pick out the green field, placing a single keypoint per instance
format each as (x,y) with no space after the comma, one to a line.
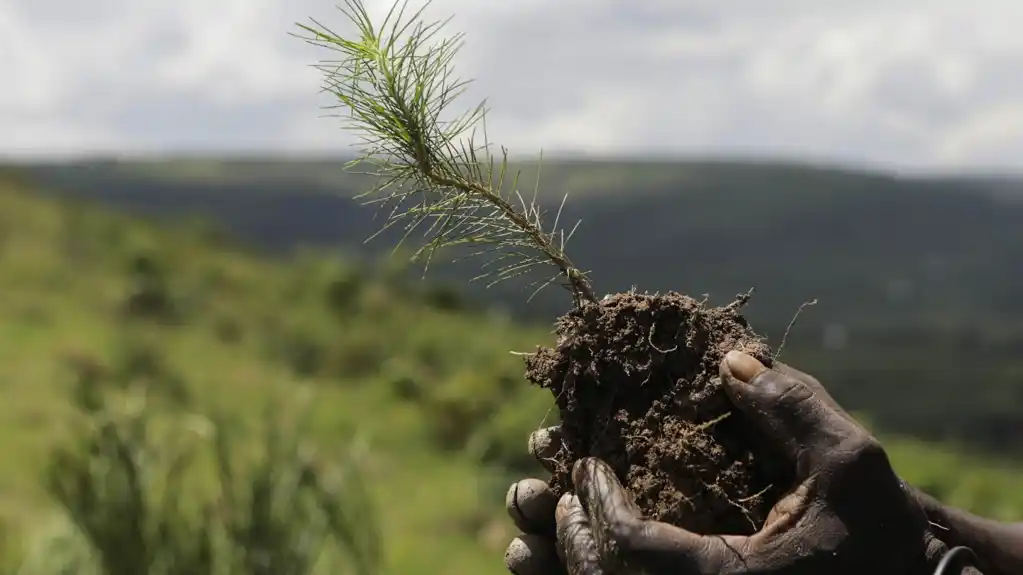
(428,384)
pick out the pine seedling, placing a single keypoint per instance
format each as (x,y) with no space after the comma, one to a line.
(634,376)
(396,86)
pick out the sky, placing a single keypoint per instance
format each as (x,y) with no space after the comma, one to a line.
(902,84)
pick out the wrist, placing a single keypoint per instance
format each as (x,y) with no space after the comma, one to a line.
(998,546)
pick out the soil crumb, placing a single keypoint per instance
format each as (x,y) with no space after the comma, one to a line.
(636,382)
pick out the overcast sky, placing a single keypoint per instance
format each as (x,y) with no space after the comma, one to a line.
(931,84)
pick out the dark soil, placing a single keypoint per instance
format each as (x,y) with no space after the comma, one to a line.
(636,382)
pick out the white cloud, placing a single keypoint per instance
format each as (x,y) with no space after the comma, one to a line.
(913,83)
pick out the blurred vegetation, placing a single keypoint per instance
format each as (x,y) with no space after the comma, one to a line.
(905,269)
(129,479)
(177,401)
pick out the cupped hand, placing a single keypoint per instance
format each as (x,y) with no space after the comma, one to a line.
(847,512)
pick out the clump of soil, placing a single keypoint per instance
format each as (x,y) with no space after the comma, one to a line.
(636,381)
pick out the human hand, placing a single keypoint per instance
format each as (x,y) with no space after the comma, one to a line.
(998,546)
(847,512)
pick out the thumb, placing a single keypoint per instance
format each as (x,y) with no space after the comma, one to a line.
(795,418)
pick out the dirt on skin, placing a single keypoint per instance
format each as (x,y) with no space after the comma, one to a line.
(636,380)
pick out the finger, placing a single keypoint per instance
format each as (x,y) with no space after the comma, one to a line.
(575,538)
(624,539)
(609,506)
(790,413)
(544,445)
(533,555)
(816,386)
(531,504)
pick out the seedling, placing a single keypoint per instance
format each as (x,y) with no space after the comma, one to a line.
(634,375)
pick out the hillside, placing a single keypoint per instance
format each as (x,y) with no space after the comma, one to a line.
(907,246)
(237,331)
(904,269)
(443,406)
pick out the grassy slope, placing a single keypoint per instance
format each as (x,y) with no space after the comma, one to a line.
(64,274)
(908,268)
(52,305)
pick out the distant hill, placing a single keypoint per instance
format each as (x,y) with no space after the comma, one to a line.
(907,271)
(900,246)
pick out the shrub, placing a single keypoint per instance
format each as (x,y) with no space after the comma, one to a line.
(148,489)
(149,293)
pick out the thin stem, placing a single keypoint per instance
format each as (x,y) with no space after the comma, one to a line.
(396,83)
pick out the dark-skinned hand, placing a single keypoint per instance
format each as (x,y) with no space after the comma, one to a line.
(847,513)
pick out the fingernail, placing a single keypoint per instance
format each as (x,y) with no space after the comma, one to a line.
(530,554)
(544,443)
(529,502)
(743,366)
(583,469)
(563,507)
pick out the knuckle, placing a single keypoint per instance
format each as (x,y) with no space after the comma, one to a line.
(793,392)
(864,452)
(627,535)
(869,450)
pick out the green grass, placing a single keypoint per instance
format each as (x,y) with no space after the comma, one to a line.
(63,286)
(430,386)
